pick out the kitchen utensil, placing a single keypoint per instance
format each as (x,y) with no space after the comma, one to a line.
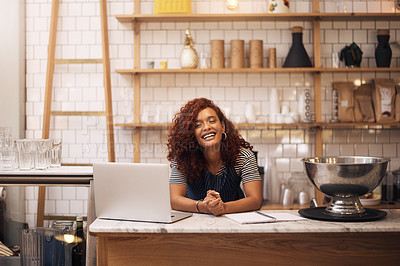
(344,179)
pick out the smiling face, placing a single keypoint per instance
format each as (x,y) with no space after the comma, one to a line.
(208,128)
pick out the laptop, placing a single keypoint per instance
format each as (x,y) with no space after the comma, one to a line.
(134,192)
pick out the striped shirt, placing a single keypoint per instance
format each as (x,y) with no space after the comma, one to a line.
(227,181)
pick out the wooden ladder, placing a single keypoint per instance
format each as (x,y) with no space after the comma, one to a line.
(51,61)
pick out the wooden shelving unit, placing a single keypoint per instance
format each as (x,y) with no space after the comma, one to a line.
(256,17)
(239,126)
(362,125)
(258,70)
(315,17)
(221,70)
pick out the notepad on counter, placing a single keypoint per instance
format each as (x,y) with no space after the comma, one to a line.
(261,217)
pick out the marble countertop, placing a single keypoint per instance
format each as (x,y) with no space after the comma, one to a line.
(64,175)
(204,223)
(58,171)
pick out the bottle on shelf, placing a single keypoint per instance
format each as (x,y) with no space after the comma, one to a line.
(383,52)
(297,56)
(79,249)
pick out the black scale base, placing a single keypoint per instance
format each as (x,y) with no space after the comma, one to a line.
(319,213)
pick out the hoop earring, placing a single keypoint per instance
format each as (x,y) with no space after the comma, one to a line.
(224,136)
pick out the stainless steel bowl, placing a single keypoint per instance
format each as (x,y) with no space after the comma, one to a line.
(345,179)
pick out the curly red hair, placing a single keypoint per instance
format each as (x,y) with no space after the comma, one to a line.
(182,144)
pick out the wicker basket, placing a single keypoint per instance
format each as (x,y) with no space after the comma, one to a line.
(172,7)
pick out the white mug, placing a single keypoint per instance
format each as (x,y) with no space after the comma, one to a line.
(304,198)
(287,197)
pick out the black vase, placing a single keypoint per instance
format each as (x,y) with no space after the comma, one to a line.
(383,52)
(297,56)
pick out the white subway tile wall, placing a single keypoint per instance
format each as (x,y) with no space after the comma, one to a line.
(80,87)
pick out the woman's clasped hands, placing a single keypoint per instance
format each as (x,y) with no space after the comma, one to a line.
(214,203)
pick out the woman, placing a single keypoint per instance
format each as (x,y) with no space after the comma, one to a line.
(210,162)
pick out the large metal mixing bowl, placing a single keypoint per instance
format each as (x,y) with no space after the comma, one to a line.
(345,179)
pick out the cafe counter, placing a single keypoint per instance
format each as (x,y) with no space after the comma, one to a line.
(207,240)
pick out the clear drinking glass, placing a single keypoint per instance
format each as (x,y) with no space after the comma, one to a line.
(7,153)
(56,152)
(341,6)
(204,60)
(26,154)
(41,246)
(42,158)
(335,60)
(32,247)
(66,238)
(5,132)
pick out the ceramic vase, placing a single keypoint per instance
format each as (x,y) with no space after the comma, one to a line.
(189,57)
(278,6)
(383,52)
(297,56)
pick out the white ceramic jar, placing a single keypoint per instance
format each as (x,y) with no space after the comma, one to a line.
(278,6)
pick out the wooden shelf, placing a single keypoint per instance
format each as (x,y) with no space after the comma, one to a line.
(255,17)
(214,17)
(258,70)
(238,126)
(361,125)
(144,125)
(358,16)
(361,69)
(219,70)
(274,125)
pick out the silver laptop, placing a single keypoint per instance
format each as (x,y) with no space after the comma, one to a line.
(134,192)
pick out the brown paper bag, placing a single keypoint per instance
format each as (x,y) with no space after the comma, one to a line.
(363,107)
(383,97)
(345,100)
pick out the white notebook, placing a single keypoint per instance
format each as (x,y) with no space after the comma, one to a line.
(262,217)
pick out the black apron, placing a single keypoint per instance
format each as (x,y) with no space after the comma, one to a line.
(226,182)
